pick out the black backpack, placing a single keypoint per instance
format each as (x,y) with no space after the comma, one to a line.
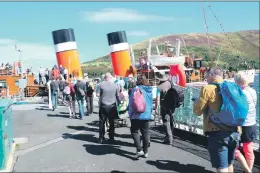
(173,98)
(90,90)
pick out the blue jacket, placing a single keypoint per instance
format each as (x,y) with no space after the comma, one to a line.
(148,96)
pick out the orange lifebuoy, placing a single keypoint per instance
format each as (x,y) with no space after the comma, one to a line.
(178,72)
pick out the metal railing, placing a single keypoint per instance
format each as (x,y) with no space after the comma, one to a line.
(185,119)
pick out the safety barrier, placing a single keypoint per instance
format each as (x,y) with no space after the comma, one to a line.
(185,119)
(6,132)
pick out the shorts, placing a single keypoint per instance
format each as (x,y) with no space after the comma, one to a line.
(68,98)
(221,147)
(248,134)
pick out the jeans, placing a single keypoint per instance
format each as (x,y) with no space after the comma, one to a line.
(107,112)
(63,95)
(167,118)
(222,146)
(143,126)
(72,108)
(81,107)
(54,99)
(89,101)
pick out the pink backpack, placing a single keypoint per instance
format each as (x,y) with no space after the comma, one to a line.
(138,104)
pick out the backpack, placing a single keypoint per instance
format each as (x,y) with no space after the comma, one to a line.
(138,104)
(80,91)
(173,98)
(90,90)
(72,89)
(67,90)
(234,108)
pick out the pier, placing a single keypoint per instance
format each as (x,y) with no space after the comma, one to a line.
(50,141)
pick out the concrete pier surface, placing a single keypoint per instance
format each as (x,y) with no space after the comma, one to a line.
(50,141)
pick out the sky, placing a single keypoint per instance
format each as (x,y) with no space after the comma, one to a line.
(29,24)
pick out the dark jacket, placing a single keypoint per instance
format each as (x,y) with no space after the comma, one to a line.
(80,85)
(62,85)
(54,86)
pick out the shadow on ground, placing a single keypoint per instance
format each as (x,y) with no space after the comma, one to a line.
(177,167)
(45,109)
(187,146)
(91,138)
(58,115)
(117,171)
(89,129)
(108,149)
(93,123)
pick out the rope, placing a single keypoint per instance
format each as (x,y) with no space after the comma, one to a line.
(221,26)
(238,53)
(207,28)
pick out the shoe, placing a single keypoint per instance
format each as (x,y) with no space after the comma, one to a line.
(70,117)
(145,155)
(139,154)
(167,141)
(100,140)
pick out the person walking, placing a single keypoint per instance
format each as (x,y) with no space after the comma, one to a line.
(249,128)
(169,96)
(222,140)
(80,90)
(140,113)
(47,75)
(89,97)
(70,98)
(54,86)
(109,98)
(61,87)
(65,73)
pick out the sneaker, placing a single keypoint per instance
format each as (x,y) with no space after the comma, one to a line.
(167,141)
(145,155)
(139,154)
(101,140)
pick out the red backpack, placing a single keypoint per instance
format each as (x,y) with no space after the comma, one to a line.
(72,90)
(138,104)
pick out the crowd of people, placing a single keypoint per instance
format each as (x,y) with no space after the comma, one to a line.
(223,141)
(45,74)
(7,66)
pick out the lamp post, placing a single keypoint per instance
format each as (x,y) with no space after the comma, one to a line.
(20,58)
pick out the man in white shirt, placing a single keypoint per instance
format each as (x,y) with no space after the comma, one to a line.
(65,73)
(41,75)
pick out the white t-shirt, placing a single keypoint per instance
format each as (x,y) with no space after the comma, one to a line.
(65,71)
(252,102)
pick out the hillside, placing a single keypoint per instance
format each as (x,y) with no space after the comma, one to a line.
(246,45)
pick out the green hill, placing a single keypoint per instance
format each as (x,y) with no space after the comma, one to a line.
(246,45)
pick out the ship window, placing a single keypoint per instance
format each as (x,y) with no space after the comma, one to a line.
(3,83)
